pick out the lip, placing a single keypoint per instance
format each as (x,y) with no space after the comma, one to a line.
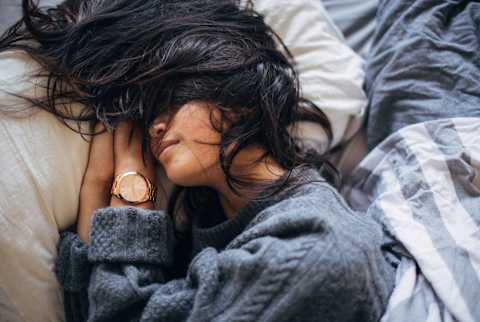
(161,146)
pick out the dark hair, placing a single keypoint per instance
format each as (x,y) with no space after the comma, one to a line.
(135,59)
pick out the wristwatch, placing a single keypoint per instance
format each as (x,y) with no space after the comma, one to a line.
(133,187)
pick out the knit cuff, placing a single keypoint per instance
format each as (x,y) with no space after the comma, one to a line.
(131,235)
(71,266)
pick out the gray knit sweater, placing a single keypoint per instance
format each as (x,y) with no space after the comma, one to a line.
(302,255)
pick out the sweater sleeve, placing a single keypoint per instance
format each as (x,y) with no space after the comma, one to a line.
(73,273)
(284,277)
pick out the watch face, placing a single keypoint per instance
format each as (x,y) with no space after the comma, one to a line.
(133,188)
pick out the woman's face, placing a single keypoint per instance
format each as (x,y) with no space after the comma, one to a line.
(186,145)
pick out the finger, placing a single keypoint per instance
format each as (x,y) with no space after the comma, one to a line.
(128,140)
(97,181)
(128,151)
(129,157)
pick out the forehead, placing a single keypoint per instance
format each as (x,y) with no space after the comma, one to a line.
(190,111)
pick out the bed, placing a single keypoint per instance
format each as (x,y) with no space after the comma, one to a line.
(421,178)
(40,153)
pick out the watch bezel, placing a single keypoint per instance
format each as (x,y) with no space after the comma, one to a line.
(149,194)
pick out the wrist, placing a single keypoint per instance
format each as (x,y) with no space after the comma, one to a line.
(117,202)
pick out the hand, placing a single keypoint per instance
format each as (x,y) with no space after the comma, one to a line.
(128,157)
(110,154)
(97,181)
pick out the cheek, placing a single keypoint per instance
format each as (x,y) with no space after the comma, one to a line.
(192,164)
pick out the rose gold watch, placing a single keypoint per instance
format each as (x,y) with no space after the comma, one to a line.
(133,187)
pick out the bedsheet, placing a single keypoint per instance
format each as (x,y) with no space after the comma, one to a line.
(424,64)
(423,185)
(356,20)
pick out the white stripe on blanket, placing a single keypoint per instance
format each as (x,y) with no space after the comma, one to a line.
(422,184)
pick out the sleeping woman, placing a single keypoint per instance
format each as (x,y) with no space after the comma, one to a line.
(252,231)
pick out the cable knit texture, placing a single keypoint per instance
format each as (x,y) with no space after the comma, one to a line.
(301,255)
(131,237)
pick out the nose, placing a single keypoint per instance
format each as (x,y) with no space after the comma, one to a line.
(157,129)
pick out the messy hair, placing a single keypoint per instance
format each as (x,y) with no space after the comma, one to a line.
(135,59)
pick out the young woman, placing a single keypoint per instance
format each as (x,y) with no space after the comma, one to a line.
(253,232)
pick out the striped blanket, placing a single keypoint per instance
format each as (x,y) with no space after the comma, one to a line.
(423,184)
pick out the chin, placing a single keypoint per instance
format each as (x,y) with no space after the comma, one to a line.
(181,177)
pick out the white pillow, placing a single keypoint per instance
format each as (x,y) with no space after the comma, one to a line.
(43,164)
(331,74)
(43,161)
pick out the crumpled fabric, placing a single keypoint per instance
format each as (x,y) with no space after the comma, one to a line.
(423,185)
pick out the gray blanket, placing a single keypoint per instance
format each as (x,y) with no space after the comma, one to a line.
(424,64)
(423,185)
(356,20)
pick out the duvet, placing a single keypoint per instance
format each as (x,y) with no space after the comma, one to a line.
(424,64)
(421,179)
(423,184)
